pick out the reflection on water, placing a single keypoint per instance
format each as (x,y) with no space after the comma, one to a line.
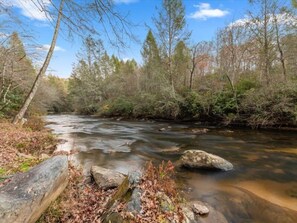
(264,179)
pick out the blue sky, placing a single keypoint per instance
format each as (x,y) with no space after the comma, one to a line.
(204,18)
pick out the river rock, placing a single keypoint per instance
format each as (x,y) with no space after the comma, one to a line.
(123,194)
(106,178)
(200,131)
(29,194)
(199,208)
(199,159)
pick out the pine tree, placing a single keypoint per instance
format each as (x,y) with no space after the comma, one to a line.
(152,63)
(181,60)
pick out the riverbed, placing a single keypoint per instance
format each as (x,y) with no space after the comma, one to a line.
(261,188)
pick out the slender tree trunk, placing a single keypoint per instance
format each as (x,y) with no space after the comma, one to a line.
(42,71)
(282,58)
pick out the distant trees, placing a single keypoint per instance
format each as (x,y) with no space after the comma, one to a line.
(17,76)
(98,77)
(246,75)
(16,71)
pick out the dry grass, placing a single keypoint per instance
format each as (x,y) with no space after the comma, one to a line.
(20,147)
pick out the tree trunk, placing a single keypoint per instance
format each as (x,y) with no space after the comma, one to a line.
(42,71)
(282,58)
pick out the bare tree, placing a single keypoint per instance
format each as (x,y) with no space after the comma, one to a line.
(200,59)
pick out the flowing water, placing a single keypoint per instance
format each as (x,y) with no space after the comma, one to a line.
(261,188)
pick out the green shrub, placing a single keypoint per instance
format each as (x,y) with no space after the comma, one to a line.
(190,106)
(270,106)
(117,107)
(144,105)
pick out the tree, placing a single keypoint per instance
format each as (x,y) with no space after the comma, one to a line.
(200,59)
(263,32)
(171,24)
(151,63)
(181,59)
(42,71)
(78,18)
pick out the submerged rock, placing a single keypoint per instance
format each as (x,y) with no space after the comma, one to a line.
(200,131)
(106,178)
(199,159)
(27,195)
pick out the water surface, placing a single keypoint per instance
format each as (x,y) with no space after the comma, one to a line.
(261,188)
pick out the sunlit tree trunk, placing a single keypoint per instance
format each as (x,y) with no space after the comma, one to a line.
(42,71)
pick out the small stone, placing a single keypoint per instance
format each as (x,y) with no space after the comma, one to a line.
(200,208)
(162,129)
(106,178)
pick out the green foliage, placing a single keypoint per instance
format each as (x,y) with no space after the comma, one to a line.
(117,107)
(225,103)
(270,106)
(244,85)
(144,106)
(191,106)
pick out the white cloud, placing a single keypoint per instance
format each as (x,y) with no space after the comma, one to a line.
(124,1)
(46,47)
(30,8)
(205,11)
(282,19)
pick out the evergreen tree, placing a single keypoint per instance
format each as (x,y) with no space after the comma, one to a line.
(152,63)
(181,60)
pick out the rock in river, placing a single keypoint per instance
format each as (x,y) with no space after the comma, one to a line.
(199,159)
(106,178)
(27,195)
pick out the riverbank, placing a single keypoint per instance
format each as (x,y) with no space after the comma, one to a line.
(22,147)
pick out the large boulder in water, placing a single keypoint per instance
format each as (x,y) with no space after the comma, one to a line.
(28,195)
(199,159)
(106,178)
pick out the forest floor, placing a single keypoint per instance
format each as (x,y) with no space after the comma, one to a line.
(22,147)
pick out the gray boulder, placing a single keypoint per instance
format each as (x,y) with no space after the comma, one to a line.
(106,178)
(199,208)
(29,194)
(199,159)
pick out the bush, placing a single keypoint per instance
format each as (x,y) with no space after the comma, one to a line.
(144,106)
(167,109)
(271,106)
(225,103)
(190,106)
(117,107)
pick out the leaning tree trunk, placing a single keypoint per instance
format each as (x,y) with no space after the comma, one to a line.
(41,72)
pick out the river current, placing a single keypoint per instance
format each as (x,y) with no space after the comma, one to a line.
(261,188)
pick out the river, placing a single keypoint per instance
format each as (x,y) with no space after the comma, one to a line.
(261,188)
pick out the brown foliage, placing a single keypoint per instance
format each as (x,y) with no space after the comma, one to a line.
(80,202)
(157,181)
(16,139)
